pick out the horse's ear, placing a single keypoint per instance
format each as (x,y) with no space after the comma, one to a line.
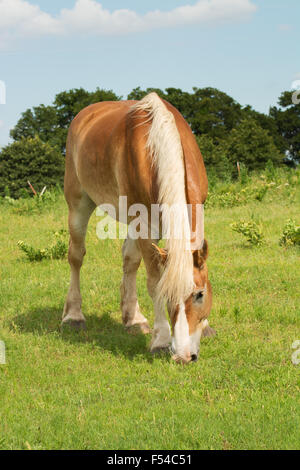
(161,253)
(200,256)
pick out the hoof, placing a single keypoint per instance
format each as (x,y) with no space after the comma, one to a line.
(161,351)
(208,332)
(138,328)
(76,325)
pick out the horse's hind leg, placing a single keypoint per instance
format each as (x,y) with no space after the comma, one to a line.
(131,314)
(80,210)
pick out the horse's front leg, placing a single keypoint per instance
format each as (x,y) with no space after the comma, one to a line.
(161,339)
(131,314)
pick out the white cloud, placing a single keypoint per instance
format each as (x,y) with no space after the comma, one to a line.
(25,18)
(20,18)
(90,17)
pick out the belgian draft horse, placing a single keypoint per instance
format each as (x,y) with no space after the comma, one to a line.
(146,151)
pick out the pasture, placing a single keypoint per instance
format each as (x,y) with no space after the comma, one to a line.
(102,389)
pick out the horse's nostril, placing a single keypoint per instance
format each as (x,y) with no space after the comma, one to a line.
(194,357)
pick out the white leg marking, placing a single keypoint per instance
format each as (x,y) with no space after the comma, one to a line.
(129,303)
(162,332)
(181,340)
(195,341)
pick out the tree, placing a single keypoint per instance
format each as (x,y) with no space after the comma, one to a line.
(214,113)
(29,159)
(51,123)
(252,145)
(42,121)
(287,119)
(248,144)
(215,157)
(266,122)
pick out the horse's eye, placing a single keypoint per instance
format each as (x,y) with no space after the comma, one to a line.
(199,295)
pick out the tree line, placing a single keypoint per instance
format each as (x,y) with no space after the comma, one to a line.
(226,132)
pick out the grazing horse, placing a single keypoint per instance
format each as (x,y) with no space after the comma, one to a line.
(146,151)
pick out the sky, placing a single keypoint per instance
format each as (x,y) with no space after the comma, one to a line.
(246,48)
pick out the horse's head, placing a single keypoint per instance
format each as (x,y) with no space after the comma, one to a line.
(188,319)
(198,305)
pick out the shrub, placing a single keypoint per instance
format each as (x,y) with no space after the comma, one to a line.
(270,171)
(291,234)
(244,177)
(261,193)
(250,230)
(29,159)
(33,204)
(57,250)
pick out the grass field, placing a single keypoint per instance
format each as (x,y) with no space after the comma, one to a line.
(102,389)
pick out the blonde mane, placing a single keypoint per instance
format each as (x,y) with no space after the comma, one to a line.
(165,150)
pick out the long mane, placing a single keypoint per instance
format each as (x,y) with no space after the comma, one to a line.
(165,150)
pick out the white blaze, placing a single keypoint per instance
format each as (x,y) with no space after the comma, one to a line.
(181,340)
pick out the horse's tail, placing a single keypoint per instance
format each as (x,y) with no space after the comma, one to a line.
(164,146)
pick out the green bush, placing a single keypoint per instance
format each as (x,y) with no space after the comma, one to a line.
(270,171)
(30,204)
(250,230)
(261,193)
(29,159)
(244,176)
(291,234)
(57,250)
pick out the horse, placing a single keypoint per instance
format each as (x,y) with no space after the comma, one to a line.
(146,151)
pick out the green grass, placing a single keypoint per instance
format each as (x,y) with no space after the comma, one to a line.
(102,389)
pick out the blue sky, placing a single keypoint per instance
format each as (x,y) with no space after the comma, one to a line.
(247,48)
